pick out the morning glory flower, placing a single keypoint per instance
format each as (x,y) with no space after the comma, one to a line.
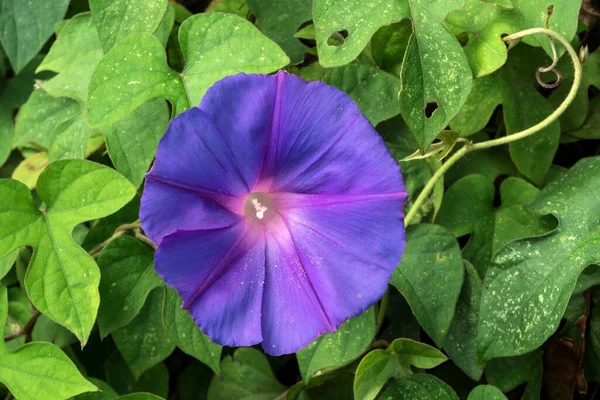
(277,209)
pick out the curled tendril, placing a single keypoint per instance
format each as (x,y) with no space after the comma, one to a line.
(467,148)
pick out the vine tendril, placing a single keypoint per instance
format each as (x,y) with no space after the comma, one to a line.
(469,146)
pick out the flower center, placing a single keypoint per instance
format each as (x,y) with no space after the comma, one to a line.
(260,207)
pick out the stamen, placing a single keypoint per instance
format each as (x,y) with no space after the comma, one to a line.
(260,209)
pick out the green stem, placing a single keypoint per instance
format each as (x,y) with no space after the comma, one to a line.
(382,309)
(469,147)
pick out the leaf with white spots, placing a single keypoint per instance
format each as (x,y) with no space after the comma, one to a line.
(117,19)
(435,74)
(145,342)
(419,386)
(127,277)
(62,278)
(461,341)
(187,335)
(132,141)
(131,73)
(486,392)
(74,56)
(530,281)
(333,350)
(214,45)
(39,118)
(430,277)
(374,90)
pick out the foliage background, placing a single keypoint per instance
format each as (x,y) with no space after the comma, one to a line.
(496,296)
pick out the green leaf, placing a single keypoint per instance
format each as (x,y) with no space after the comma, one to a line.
(238,7)
(333,350)
(127,277)
(564,19)
(41,370)
(69,139)
(589,128)
(139,396)
(105,392)
(461,341)
(163,32)
(388,46)
(508,373)
(377,367)
(280,20)
(46,330)
(245,375)
(62,279)
(361,82)
(413,353)
(25,27)
(3,316)
(145,341)
(117,19)
(430,277)
(514,87)
(468,200)
(40,117)
(12,95)
(435,70)
(210,58)
(510,222)
(360,20)
(7,262)
(187,335)
(120,377)
(484,24)
(73,57)
(486,392)
(525,296)
(419,386)
(374,370)
(132,141)
(580,110)
(119,87)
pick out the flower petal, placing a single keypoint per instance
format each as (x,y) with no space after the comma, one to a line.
(349,245)
(219,274)
(293,315)
(321,143)
(192,168)
(242,109)
(166,208)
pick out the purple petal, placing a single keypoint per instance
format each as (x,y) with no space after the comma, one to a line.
(192,184)
(321,143)
(219,274)
(349,244)
(242,108)
(293,314)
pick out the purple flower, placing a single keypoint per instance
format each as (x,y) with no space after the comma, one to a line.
(278,211)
